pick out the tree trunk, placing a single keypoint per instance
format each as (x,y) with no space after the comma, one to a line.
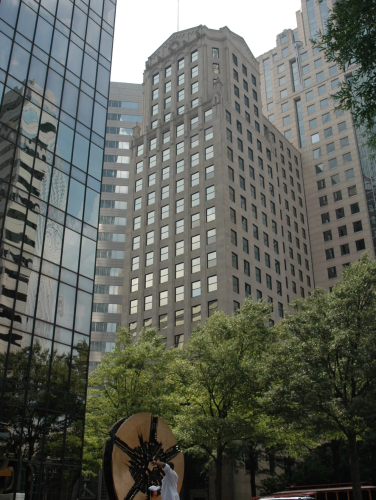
(218,474)
(336,460)
(354,467)
(253,466)
(253,482)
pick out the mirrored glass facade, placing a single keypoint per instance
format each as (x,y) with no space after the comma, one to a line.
(55,62)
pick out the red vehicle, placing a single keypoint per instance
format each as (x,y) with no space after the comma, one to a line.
(342,491)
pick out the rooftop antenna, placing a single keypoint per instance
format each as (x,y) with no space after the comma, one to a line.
(178,15)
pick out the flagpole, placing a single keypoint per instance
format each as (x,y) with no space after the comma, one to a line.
(178,15)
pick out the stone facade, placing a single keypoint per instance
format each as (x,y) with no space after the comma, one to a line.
(216,208)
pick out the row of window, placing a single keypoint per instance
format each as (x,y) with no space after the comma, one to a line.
(340,213)
(179,295)
(179,229)
(332,271)
(164,255)
(345,248)
(180,65)
(165,210)
(179,318)
(342,231)
(179,131)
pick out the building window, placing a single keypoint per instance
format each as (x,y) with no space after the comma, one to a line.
(212,283)
(360,245)
(179,293)
(196,313)
(332,272)
(211,259)
(196,288)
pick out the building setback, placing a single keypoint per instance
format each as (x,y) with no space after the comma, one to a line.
(55,63)
(339,175)
(124,112)
(216,206)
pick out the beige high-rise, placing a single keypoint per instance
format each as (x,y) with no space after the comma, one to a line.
(216,205)
(339,176)
(124,112)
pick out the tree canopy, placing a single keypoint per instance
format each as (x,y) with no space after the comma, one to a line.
(350,38)
(324,366)
(217,383)
(131,379)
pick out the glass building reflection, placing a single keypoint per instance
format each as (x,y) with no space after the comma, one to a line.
(55,62)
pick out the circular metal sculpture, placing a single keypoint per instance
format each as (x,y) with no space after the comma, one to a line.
(127,456)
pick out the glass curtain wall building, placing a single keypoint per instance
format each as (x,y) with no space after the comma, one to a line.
(55,62)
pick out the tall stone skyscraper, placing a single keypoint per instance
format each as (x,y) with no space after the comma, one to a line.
(339,173)
(216,206)
(55,61)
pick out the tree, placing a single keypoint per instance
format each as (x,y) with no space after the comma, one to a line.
(350,38)
(324,366)
(132,378)
(217,383)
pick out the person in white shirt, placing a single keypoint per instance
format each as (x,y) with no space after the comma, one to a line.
(169,482)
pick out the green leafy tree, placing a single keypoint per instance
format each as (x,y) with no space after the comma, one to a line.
(132,378)
(350,38)
(217,383)
(324,366)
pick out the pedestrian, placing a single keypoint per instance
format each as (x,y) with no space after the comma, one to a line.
(169,481)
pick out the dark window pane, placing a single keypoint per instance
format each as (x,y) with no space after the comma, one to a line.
(59,47)
(26,22)
(50,5)
(109,12)
(79,22)
(103,80)
(96,160)
(30,120)
(19,63)
(70,98)
(10,111)
(8,11)
(85,109)
(81,152)
(47,299)
(53,242)
(47,133)
(97,6)
(91,207)
(64,12)
(64,142)
(43,36)
(87,263)
(106,45)
(99,119)
(76,199)
(93,34)
(71,250)
(6,45)
(37,75)
(59,189)
(54,87)
(83,319)
(67,297)
(89,71)
(75,59)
